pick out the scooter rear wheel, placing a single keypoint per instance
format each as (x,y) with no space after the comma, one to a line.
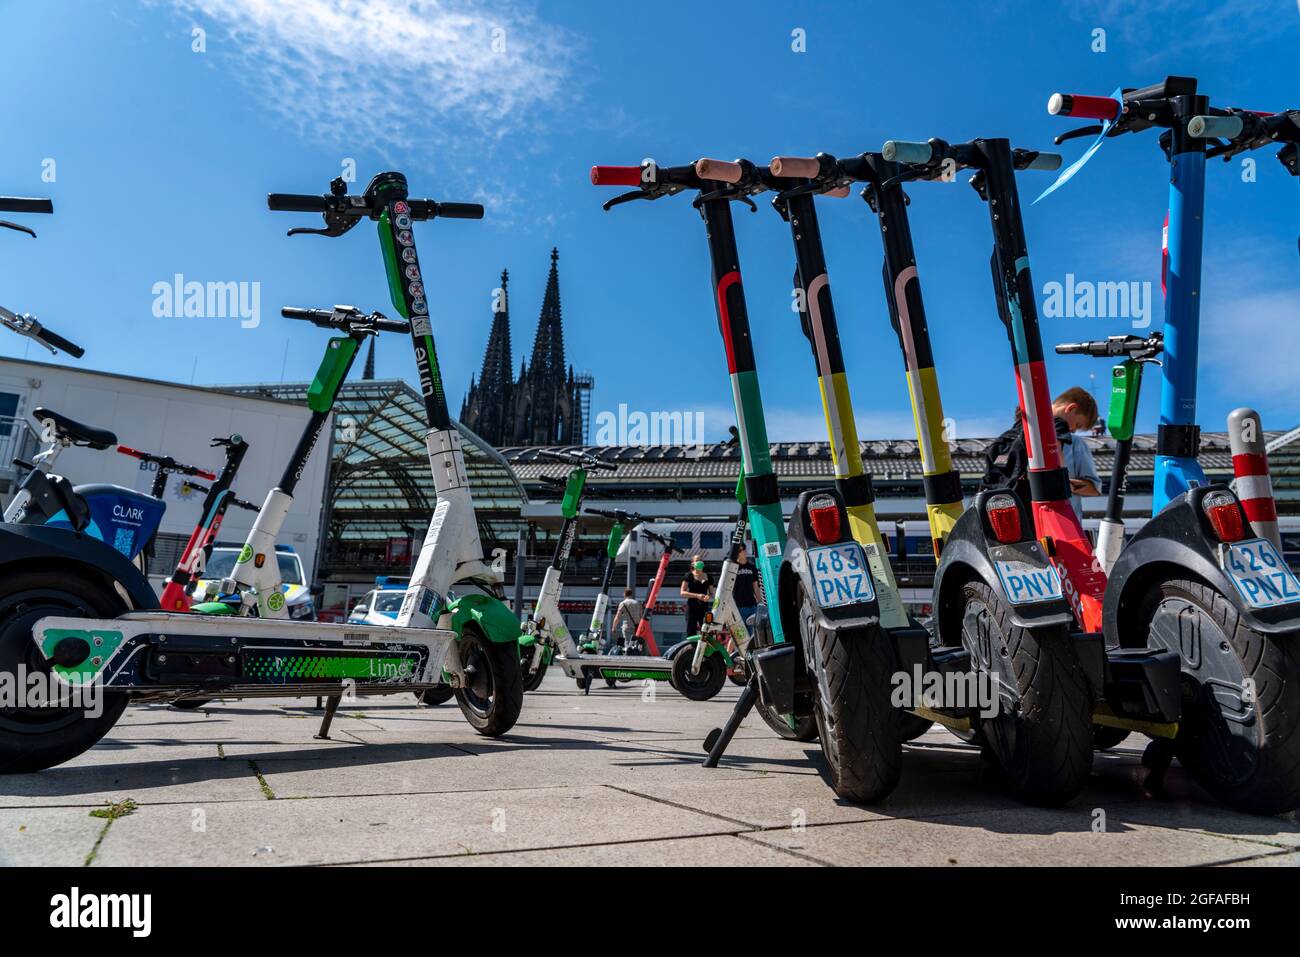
(493,695)
(859,728)
(432,697)
(32,739)
(1241,745)
(1044,750)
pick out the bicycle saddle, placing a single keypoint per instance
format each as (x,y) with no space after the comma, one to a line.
(78,432)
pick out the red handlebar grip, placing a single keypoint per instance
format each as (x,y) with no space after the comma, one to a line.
(1087,107)
(134,453)
(203,473)
(616,176)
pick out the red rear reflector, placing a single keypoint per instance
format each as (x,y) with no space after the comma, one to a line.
(1004,516)
(1224,513)
(825,516)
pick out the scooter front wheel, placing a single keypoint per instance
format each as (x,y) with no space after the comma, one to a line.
(533,681)
(432,697)
(702,686)
(805,729)
(1239,736)
(493,693)
(859,727)
(1043,749)
(35,738)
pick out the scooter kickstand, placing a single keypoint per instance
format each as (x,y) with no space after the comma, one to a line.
(331,706)
(718,739)
(1157,757)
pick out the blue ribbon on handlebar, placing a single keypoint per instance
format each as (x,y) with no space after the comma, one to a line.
(1067,174)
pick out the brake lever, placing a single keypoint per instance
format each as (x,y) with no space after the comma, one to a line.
(19,227)
(335,225)
(626,198)
(1076,133)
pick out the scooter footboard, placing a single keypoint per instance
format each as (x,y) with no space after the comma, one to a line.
(160,651)
(1142,686)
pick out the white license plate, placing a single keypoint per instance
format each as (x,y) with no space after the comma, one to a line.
(840,575)
(1260,574)
(1026,582)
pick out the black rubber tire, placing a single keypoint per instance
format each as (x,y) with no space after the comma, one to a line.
(611,682)
(1044,752)
(1105,738)
(736,679)
(33,739)
(495,696)
(859,727)
(703,686)
(805,729)
(912,726)
(432,697)
(533,681)
(190,704)
(1251,761)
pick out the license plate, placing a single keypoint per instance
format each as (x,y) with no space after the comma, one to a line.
(840,575)
(1027,582)
(1261,576)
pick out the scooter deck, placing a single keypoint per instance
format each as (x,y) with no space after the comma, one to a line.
(152,650)
(620,667)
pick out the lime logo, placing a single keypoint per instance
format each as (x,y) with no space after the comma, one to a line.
(275,601)
(245,554)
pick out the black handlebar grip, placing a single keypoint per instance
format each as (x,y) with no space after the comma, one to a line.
(23,204)
(297,203)
(392,325)
(56,340)
(460,210)
(311,315)
(605,466)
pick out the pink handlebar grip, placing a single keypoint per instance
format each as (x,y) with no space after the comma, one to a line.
(838,193)
(718,170)
(1088,107)
(796,167)
(616,176)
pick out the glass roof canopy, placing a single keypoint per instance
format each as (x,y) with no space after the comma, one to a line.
(380,486)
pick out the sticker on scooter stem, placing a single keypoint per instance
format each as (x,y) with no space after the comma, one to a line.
(1026,583)
(840,575)
(1261,576)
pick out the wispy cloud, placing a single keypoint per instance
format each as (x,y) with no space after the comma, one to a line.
(402,76)
(1175,27)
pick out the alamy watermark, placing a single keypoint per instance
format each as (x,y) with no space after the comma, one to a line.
(966,691)
(1086,299)
(23,689)
(180,298)
(659,427)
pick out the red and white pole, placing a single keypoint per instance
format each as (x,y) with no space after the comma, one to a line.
(1250,466)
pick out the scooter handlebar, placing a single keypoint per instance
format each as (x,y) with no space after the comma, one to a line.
(904,151)
(58,342)
(720,171)
(428,209)
(1087,107)
(346,318)
(795,167)
(297,203)
(25,204)
(616,176)
(1211,127)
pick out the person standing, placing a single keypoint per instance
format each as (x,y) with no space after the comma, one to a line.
(745,589)
(627,618)
(697,589)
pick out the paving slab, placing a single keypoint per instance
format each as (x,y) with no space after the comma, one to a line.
(723,851)
(1006,838)
(386,827)
(47,836)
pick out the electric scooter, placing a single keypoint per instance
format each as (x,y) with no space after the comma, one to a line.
(545,629)
(217,498)
(1197,533)
(164,468)
(645,633)
(593,642)
(1194,579)
(998,599)
(819,650)
(81,627)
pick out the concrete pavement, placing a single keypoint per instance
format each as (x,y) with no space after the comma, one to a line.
(612,778)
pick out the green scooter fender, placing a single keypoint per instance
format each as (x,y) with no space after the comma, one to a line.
(213,608)
(711,648)
(493,618)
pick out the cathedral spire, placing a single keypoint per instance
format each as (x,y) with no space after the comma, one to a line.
(369,372)
(548,347)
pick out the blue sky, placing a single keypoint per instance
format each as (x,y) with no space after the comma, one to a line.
(163,156)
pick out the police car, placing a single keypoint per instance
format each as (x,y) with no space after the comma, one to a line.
(380,605)
(293,582)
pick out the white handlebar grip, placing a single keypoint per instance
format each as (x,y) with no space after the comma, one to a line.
(902,151)
(1208,127)
(1047,161)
